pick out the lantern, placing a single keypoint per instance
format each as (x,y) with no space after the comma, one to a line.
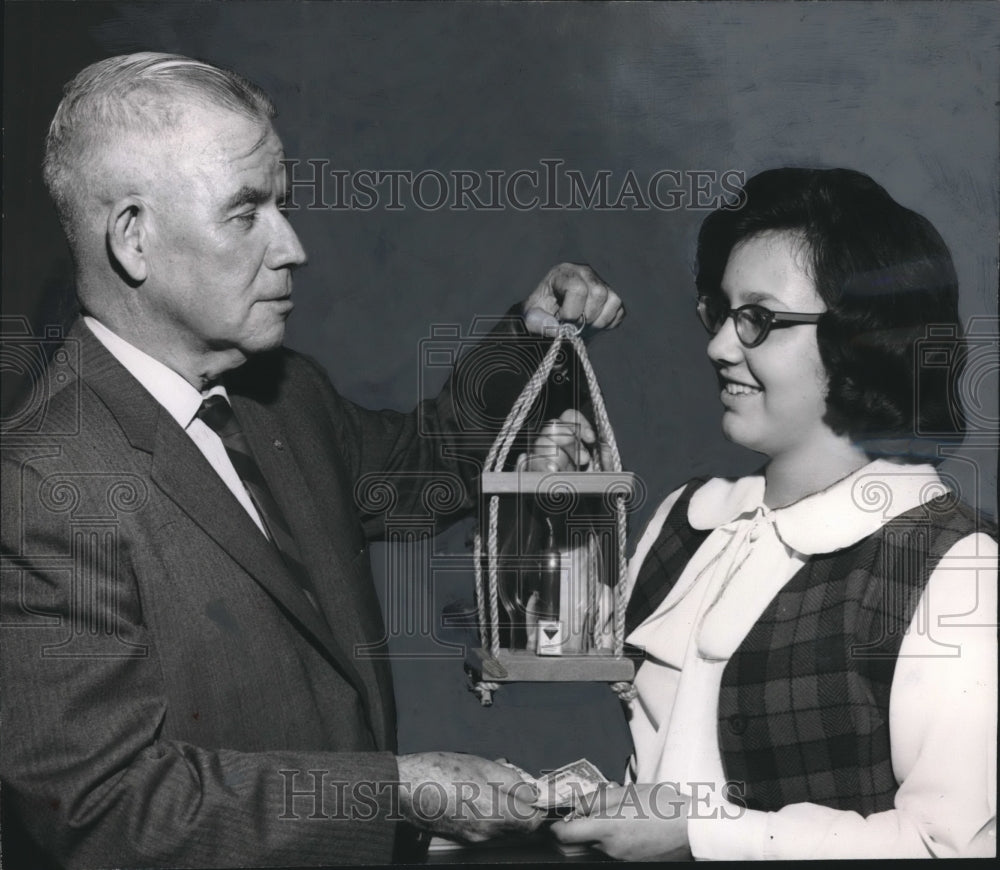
(550,558)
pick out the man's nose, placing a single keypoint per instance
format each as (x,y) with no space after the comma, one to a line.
(285,250)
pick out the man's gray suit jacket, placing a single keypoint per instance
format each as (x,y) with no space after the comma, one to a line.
(170,697)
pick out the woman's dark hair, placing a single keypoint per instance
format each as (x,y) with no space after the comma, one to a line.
(891,340)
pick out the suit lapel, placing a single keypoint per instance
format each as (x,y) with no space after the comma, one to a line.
(269,438)
(271,441)
(184,475)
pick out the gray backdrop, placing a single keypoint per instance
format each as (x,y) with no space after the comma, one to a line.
(906,92)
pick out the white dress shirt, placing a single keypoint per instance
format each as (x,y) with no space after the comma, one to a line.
(182,401)
(942,710)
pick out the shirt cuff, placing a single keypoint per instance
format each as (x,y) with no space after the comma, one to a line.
(727,833)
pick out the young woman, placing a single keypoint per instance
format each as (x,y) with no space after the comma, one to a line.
(819,669)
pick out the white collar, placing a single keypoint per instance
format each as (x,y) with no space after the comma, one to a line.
(180,399)
(832,519)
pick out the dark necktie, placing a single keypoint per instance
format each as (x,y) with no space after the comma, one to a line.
(216,413)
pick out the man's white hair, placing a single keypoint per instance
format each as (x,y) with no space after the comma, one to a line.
(132,94)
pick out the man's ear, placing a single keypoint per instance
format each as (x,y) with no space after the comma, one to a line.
(127,239)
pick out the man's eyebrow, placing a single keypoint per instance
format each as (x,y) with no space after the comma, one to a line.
(247,195)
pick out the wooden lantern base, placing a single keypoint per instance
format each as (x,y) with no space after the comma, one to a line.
(514,666)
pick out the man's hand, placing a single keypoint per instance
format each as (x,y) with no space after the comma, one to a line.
(572,293)
(633,823)
(465,797)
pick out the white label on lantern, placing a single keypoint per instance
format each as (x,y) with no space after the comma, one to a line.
(549,637)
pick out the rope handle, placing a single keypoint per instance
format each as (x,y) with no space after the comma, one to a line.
(497,458)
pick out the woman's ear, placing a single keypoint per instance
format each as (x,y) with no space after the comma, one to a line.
(127,239)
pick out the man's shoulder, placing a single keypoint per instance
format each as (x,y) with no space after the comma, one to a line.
(47,403)
(59,436)
(54,397)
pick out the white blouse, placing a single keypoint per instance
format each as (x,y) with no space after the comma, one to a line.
(943,700)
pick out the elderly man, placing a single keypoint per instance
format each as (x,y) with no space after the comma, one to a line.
(186,575)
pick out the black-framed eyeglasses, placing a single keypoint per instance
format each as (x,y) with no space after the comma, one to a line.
(753,322)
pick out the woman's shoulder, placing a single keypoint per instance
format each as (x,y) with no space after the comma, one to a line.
(949,517)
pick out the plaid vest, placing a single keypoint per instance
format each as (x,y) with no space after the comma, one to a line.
(804,702)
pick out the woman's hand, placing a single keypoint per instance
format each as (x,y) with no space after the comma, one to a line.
(564,444)
(633,823)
